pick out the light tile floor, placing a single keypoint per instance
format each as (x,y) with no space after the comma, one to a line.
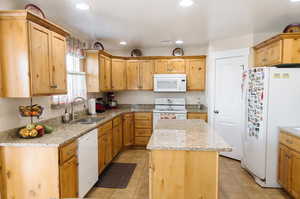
(235,183)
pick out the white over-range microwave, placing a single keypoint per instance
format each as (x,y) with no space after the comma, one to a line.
(170,83)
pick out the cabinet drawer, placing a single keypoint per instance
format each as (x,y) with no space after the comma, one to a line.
(142,141)
(290,141)
(117,121)
(128,116)
(103,129)
(67,151)
(199,116)
(143,116)
(143,132)
(143,124)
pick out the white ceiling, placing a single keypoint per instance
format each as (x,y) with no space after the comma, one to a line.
(144,23)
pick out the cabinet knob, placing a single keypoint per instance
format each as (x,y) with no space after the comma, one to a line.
(53,86)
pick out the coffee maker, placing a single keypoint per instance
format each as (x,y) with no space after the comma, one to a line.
(111,101)
(100,105)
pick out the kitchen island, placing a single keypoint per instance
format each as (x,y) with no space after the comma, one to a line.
(184,160)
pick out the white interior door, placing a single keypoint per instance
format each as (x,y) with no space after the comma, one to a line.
(228,107)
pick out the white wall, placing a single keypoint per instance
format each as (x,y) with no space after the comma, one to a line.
(162,51)
(147,97)
(7,5)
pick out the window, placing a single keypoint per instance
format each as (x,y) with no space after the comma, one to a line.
(76,78)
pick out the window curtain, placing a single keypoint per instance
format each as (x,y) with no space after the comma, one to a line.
(76,77)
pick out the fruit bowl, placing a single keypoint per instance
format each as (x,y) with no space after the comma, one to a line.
(31,111)
(34,131)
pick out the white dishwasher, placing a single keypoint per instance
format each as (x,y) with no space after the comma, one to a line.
(88,162)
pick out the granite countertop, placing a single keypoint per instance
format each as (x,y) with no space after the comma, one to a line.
(186,135)
(64,133)
(295,130)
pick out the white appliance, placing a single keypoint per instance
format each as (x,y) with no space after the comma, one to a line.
(170,83)
(169,108)
(92,106)
(273,100)
(88,162)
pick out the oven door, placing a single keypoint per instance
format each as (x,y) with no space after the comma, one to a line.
(168,116)
(169,84)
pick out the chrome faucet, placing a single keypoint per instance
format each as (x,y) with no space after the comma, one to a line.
(76,99)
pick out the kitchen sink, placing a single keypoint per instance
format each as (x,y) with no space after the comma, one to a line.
(89,120)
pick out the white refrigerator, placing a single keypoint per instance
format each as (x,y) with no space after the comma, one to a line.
(272,100)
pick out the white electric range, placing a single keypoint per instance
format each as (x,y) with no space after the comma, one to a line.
(169,108)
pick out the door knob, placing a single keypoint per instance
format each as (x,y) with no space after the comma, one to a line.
(216,111)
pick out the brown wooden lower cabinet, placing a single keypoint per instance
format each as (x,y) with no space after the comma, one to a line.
(105,146)
(44,177)
(128,129)
(69,178)
(289,164)
(199,116)
(117,135)
(102,145)
(183,174)
(143,128)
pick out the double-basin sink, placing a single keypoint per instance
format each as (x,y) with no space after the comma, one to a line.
(88,120)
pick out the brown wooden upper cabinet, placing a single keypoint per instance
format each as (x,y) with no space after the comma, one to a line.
(281,49)
(105,73)
(32,55)
(118,74)
(171,66)
(140,74)
(92,71)
(196,73)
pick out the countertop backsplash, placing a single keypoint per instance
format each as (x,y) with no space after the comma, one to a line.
(9,113)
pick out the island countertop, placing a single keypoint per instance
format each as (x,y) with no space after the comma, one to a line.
(186,135)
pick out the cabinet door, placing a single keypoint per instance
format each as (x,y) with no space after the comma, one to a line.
(118,68)
(128,130)
(146,75)
(105,73)
(176,66)
(102,152)
(115,140)
(295,185)
(109,148)
(284,170)
(39,42)
(133,76)
(120,137)
(196,75)
(69,179)
(274,55)
(161,67)
(92,72)
(261,55)
(58,60)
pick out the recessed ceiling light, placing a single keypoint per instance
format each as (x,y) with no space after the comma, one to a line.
(82,6)
(186,3)
(123,43)
(295,0)
(179,42)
